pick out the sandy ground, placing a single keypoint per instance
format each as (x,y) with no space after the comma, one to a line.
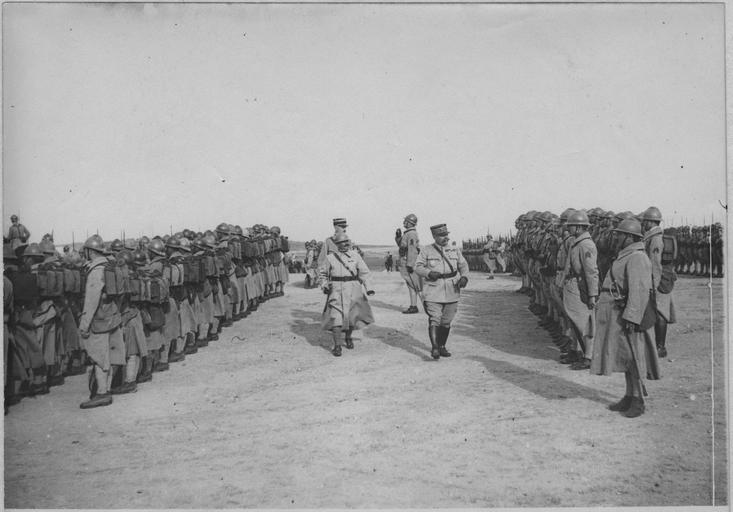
(273,420)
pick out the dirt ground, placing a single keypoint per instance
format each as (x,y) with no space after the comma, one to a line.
(273,420)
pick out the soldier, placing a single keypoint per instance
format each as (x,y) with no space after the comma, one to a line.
(717,255)
(409,248)
(174,329)
(281,270)
(580,291)
(620,343)
(53,308)
(18,234)
(99,325)
(17,361)
(343,277)
(662,276)
(445,270)
(490,251)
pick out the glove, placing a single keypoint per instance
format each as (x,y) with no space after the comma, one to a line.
(462,282)
(592,301)
(409,269)
(370,292)
(326,289)
(433,275)
(84,334)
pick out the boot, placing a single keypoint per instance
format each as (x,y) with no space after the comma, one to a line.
(348,340)
(622,405)
(410,311)
(97,401)
(571,357)
(190,347)
(443,333)
(636,408)
(146,374)
(435,349)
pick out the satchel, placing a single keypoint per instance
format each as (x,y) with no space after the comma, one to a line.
(650,313)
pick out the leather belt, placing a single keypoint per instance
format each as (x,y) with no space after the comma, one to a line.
(448,276)
(349,278)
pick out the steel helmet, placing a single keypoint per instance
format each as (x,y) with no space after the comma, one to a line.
(165,238)
(238,230)
(144,240)
(140,257)
(209,240)
(564,215)
(652,213)
(95,243)
(34,250)
(47,247)
(630,226)
(116,245)
(275,230)
(157,246)
(609,215)
(173,242)
(411,219)
(125,256)
(624,215)
(578,218)
(545,216)
(185,244)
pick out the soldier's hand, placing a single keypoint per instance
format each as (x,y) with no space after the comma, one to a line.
(409,269)
(433,275)
(629,327)
(462,282)
(370,292)
(326,289)
(84,334)
(592,301)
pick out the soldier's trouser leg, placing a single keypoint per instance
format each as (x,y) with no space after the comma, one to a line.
(163,352)
(336,334)
(133,363)
(660,331)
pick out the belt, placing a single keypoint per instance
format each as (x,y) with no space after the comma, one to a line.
(448,276)
(349,278)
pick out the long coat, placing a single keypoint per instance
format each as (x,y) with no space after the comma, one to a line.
(580,264)
(631,271)
(654,246)
(347,304)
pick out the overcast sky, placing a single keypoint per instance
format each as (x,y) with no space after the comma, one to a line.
(144,116)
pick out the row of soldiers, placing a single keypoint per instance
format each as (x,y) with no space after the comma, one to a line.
(700,250)
(129,311)
(567,264)
(488,254)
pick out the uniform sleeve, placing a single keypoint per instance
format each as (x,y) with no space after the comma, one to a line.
(412,245)
(324,270)
(92,295)
(421,264)
(638,284)
(589,262)
(363,272)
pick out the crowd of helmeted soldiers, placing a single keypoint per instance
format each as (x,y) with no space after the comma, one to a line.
(128,310)
(602,285)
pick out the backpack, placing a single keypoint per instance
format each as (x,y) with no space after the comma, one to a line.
(50,281)
(116,279)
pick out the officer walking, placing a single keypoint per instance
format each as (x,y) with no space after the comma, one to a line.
(409,248)
(445,272)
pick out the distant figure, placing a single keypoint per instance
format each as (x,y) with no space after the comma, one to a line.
(388,262)
(490,256)
(18,234)
(409,247)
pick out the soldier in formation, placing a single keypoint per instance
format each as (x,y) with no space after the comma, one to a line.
(128,312)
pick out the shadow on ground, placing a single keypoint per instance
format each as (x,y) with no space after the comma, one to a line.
(500,319)
(547,386)
(402,340)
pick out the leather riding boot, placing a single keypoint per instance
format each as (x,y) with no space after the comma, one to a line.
(636,408)
(443,333)
(336,350)
(348,340)
(435,349)
(622,405)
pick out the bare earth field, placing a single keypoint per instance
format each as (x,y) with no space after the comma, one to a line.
(273,420)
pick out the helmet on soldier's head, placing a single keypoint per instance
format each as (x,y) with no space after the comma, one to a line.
(275,230)
(185,244)
(411,219)
(95,243)
(126,256)
(624,215)
(564,215)
(47,247)
(165,238)
(608,215)
(173,242)
(238,230)
(13,218)
(144,240)
(33,250)
(222,228)
(578,218)
(140,257)
(545,216)
(116,245)
(653,214)
(631,227)
(209,240)
(157,246)
(47,236)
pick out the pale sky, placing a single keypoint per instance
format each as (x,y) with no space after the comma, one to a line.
(144,116)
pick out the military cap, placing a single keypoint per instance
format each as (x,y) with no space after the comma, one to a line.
(439,230)
(340,221)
